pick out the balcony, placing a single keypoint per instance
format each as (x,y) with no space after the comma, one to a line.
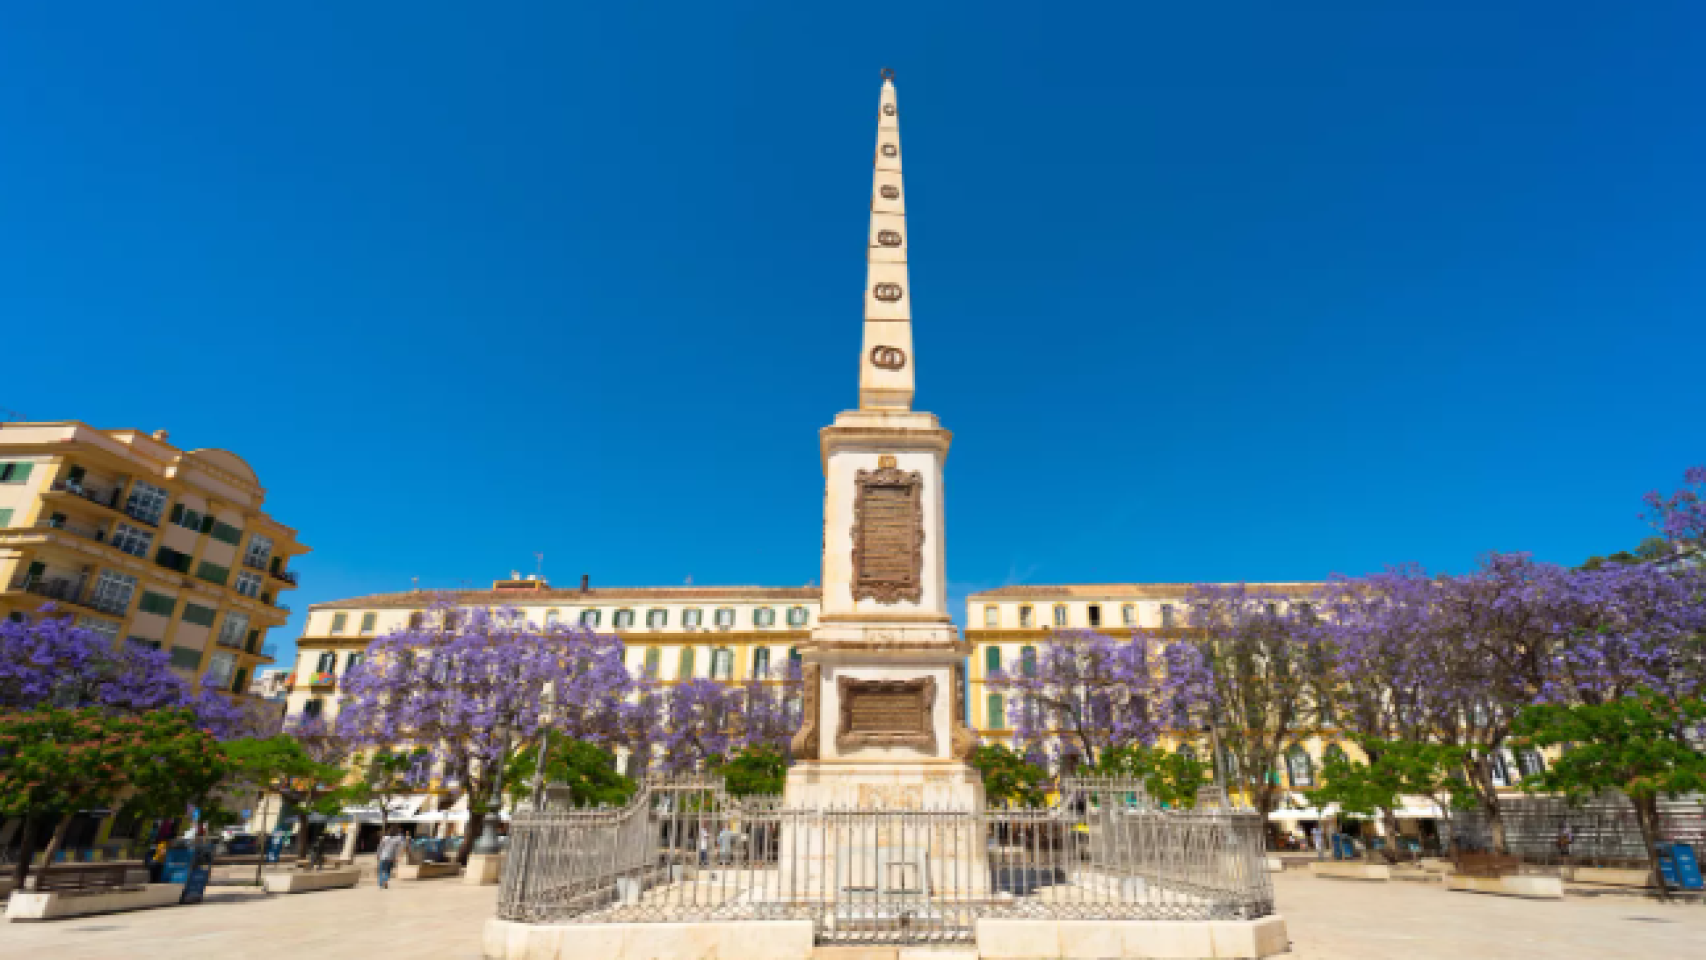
(87,531)
(67,591)
(288,576)
(108,498)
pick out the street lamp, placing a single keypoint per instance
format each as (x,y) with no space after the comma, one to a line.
(488,842)
(546,699)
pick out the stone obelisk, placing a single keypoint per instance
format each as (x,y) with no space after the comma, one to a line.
(884,724)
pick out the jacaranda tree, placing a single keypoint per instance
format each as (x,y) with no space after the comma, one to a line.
(469,685)
(1681,516)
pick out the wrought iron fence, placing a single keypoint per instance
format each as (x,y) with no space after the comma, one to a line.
(1603,831)
(683,850)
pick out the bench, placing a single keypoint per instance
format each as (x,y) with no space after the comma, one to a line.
(62,877)
(1487,864)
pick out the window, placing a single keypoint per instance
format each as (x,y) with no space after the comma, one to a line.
(260,548)
(185,517)
(1128,614)
(684,670)
(764,617)
(991,617)
(15,472)
(199,615)
(351,662)
(725,616)
(173,560)
(624,619)
(797,616)
(553,619)
(314,707)
(1529,763)
(131,540)
(1333,754)
(1501,771)
(157,603)
(220,668)
(589,618)
(657,618)
(113,592)
(327,663)
(1299,766)
(1168,618)
(146,503)
(186,658)
(213,572)
(991,659)
(1324,710)
(1060,614)
(143,642)
(339,622)
(761,663)
(107,629)
(1095,614)
(238,682)
(722,664)
(1028,661)
(997,714)
(654,658)
(1026,617)
(1186,753)
(232,630)
(1306,611)
(248,583)
(1270,609)
(692,617)
(226,533)
(368,622)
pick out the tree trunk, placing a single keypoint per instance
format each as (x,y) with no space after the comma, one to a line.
(58,840)
(476,823)
(1481,771)
(1392,833)
(1647,815)
(303,826)
(26,850)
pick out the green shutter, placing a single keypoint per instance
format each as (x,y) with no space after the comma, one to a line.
(213,572)
(997,716)
(339,621)
(158,603)
(368,620)
(6,517)
(226,533)
(199,615)
(992,660)
(177,513)
(242,675)
(186,658)
(15,472)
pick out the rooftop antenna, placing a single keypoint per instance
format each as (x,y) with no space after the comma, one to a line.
(690,579)
(417,583)
(539,566)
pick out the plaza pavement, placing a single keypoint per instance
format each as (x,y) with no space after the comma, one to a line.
(441,920)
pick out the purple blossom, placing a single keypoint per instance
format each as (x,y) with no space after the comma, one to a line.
(1681,517)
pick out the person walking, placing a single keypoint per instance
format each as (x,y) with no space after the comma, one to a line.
(388,850)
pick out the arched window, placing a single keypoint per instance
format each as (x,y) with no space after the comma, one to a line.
(1228,764)
(1027,616)
(1299,766)
(764,617)
(552,619)
(991,616)
(1168,617)
(685,672)
(797,616)
(654,661)
(692,617)
(589,618)
(761,663)
(624,619)
(1060,614)
(1028,660)
(722,664)
(991,659)
(997,713)
(657,618)
(725,616)
(1128,614)
(1530,763)
(1333,754)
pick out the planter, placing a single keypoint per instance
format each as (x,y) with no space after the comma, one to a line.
(1350,870)
(309,881)
(484,868)
(427,871)
(1616,876)
(1533,887)
(57,904)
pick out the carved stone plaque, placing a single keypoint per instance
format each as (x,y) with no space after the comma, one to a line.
(888,535)
(890,192)
(886,713)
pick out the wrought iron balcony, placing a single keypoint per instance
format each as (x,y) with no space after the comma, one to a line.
(106,498)
(67,591)
(288,576)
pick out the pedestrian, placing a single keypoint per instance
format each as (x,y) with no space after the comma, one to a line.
(388,850)
(704,844)
(1565,837)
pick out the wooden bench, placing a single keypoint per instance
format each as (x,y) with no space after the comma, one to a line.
(63,877)
(1487,864)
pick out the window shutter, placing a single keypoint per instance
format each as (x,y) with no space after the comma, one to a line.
(207,524)
(177,513)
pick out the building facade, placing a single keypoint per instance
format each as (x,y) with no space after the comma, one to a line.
(143,542)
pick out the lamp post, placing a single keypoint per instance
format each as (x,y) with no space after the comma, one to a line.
(547,696)
(488,842)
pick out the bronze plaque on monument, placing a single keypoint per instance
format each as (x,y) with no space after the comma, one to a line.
(888,535)
(886,713)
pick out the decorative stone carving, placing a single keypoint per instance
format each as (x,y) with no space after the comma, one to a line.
(890,150)
(805,743)
(962,741)
(889,238)
(889,191)
(888,358)
(887,292)
(888,109)
(886,713)
(888,535)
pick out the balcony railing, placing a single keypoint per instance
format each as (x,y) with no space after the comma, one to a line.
(288,576)
(254,564)
(66,591)
(84,530)
(105,498)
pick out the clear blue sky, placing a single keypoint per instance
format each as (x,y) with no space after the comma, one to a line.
(1206,291)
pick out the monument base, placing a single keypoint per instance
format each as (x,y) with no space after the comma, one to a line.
(893,785)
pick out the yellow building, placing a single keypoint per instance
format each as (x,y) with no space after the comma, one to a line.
(720,633)
(143,542)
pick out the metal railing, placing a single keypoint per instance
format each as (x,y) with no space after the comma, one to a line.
(68,591)
(682,850)
(108,498)
(1599,832)
(288,576)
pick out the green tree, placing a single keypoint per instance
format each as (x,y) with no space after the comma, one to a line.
(1172,778)
(54,763)
(587,769)
(390,774)
(754,770)
(1010,778)
(1395,769)
(281,764)
(1637,745)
